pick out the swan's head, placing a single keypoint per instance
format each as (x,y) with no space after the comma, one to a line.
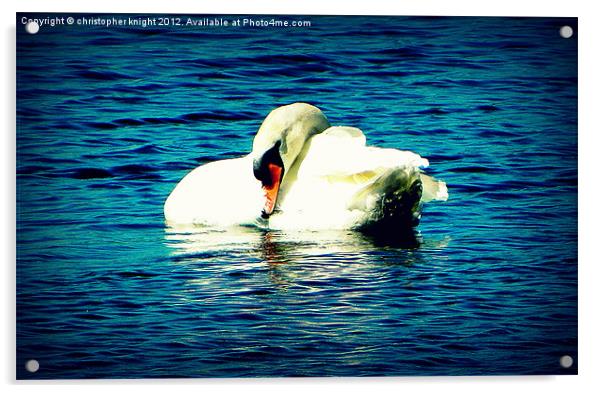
(278,143)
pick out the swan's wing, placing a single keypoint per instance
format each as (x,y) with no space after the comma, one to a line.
(341,154)
(349,134)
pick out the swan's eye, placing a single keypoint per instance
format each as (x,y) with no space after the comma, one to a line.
(261,166)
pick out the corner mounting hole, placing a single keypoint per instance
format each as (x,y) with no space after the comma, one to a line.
(566,31)
(32,366)
(566,361)
(32,27)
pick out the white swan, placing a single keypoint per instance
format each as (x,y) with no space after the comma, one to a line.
(305,174)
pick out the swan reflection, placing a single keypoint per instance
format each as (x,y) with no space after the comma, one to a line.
(276,248)
(231,263)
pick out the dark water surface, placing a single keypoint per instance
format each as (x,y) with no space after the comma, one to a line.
(110,119)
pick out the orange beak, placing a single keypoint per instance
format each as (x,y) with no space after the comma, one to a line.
(271,191)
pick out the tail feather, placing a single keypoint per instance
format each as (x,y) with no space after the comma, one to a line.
(433,189)
(391,201)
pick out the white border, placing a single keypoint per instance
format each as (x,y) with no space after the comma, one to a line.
(309,7)
(589,190)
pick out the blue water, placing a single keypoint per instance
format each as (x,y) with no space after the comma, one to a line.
(110,119)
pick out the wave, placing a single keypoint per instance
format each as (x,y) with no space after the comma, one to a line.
(102,75)
(90,173)
(187,118)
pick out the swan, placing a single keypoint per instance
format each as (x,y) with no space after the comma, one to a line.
(305,174)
